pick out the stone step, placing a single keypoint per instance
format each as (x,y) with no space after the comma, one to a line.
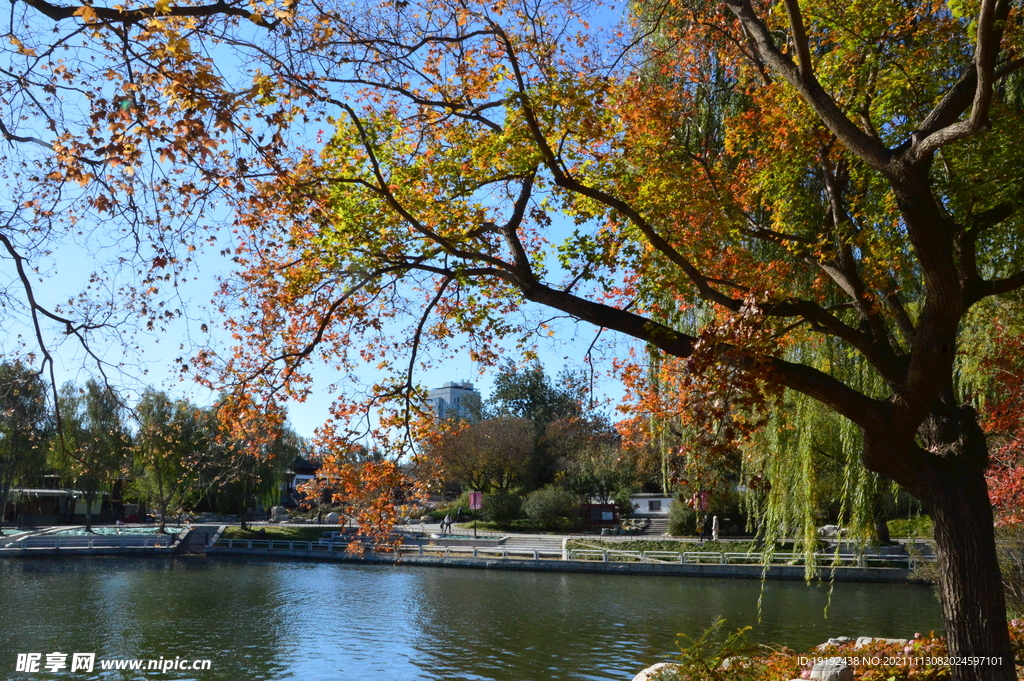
(658,526)
(196,541)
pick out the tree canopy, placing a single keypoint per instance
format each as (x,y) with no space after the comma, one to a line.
(93,444)
(25,426)
(766,194)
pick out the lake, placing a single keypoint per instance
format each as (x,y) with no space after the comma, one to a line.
(264,619)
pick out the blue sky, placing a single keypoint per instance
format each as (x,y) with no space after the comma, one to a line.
(154,362)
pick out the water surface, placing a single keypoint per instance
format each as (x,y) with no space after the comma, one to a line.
(283,621)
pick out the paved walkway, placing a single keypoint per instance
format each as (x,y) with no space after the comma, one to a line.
(526,540)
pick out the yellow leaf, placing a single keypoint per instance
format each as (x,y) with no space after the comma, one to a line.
(87,13)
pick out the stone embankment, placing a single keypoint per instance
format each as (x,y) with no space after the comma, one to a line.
(542,564)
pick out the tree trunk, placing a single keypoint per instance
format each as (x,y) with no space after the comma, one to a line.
(970,585)
(242,515)
(880,518)
(5,492)
(163,517)
(88,511)
(951,484)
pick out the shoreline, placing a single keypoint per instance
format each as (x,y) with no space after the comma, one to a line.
(540,562)
(781,572)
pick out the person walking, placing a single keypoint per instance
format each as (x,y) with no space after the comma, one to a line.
(447,522)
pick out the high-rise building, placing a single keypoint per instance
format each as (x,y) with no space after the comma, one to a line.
(455,400)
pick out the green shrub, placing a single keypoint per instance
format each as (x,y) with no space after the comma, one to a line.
(714,657)
(552,507)
(682,520)
(916,526)
(502,508)
(624,503)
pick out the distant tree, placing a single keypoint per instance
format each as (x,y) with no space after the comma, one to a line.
(590,456)
(25,420)
(170,447)
(600,470)
(492,455)
(245,462)
(528,393)
(94,444)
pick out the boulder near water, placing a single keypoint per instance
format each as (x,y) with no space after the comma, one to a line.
(653,672)
(837,641)
(832,669)
(867,640)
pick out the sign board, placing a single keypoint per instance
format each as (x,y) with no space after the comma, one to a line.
(476,501)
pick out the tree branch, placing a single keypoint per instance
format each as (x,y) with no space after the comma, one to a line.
(134,16)
(985,288)
(873,152)
(941,127)
(803,51)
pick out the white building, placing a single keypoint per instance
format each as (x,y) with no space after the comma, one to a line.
(456,400)
(651,504)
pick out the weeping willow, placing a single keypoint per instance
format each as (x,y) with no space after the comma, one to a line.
(807,460)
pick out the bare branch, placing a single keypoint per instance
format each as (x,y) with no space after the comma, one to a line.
(995,287)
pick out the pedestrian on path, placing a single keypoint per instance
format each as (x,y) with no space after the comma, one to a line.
(447,522)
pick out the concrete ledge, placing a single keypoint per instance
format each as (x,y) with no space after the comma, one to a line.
(72,552)
(790,572)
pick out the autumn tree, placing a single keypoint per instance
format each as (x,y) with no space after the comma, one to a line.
(243,463)
(112,117)
(994,369)
(745,180)
(492,455)
(559,411)
(742,180)
(25,425)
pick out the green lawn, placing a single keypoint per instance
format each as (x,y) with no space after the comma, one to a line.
(282,533)
(659,545)
(918,526)
(520,525)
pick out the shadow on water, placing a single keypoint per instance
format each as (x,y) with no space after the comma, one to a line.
(259,620)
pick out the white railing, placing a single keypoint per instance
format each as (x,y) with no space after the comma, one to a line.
(503,552)
(606,556)
(32,543)
(402,549)
(730,558)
